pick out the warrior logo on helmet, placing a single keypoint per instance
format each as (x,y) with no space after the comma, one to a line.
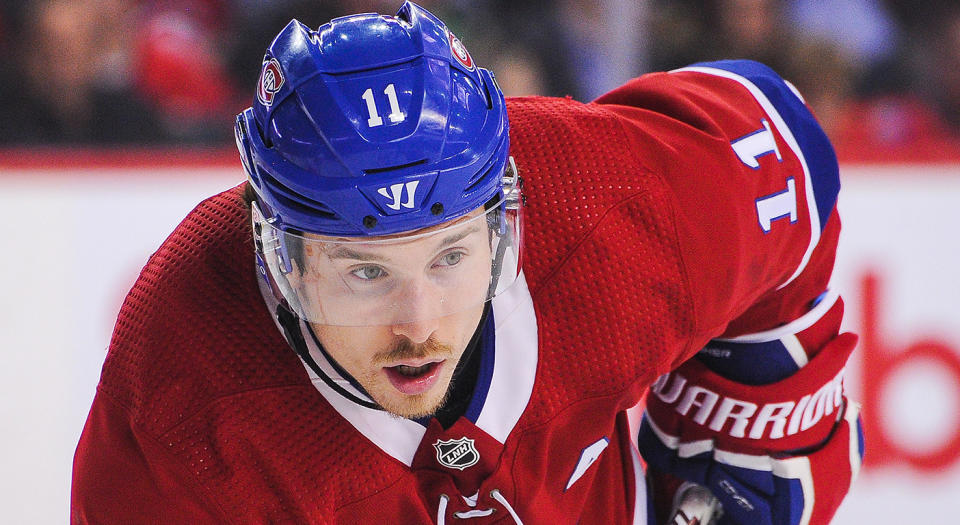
(271,80)
(460,52)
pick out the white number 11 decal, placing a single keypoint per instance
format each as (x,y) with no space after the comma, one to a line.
(395,114)
(782,204)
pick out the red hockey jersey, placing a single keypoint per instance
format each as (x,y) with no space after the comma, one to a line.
(680,207)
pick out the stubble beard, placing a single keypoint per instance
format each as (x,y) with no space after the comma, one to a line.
(421,405)
(414,407)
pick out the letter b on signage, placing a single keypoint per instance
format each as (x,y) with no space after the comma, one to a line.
(881,366)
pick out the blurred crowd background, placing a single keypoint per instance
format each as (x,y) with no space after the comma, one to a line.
(882,75)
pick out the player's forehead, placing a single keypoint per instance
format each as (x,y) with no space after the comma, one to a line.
(465,224)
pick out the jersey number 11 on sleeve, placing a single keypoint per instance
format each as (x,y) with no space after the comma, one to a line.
(777,205)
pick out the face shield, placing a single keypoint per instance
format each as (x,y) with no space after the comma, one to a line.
(444,270)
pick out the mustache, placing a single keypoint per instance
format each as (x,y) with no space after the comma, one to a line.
(405,349)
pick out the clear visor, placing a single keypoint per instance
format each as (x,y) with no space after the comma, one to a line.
(451,268)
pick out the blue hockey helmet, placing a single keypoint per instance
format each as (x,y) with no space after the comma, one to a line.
(370,127)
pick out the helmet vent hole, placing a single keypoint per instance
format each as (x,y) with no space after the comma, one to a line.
(369,221)
(371,171)
(436,209)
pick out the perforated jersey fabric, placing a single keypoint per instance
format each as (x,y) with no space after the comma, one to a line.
(641,242)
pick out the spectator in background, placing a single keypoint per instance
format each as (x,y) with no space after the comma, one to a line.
(503,34)
(863,31)
(902,105)
(757,29)
(67,77)
(181,68)
(110,72)
(522,74)
(168,71)
(825,76)
(862,96)
(689,31)
(761,30)
(147,72)
(944,67)
(602,43)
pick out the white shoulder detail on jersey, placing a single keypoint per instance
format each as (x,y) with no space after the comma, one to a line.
(791,141)
(515,361)
(588,456)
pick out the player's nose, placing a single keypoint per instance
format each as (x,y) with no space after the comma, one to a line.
(420,310)
(417,331)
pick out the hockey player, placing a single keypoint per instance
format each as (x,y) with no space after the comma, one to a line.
(467,347)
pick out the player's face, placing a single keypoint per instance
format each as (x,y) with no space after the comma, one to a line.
(406,368)
(405,358)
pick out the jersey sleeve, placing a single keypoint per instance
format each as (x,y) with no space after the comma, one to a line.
(754,182)
(121,475)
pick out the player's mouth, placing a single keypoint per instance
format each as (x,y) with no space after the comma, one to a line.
(414,378)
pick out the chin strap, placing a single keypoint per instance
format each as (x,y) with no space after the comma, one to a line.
(497,223)
(294,336)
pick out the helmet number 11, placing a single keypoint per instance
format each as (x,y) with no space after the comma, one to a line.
(395,115)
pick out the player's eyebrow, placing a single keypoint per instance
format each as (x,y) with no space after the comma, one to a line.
(345,252)
(342,252)
(456,237)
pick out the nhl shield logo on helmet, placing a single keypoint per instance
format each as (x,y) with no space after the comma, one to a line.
(271,80)
(457,453)
(460,52)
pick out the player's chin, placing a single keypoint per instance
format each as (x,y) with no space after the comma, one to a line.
(414,406)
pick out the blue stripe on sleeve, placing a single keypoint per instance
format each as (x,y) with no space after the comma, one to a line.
(814,144)
(749,363)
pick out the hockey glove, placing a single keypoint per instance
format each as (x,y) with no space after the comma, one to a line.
(779,453)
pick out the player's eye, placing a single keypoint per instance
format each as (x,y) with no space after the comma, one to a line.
(369,273)
(450,259)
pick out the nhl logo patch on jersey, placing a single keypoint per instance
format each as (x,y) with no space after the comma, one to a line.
(457,453)
(271,80)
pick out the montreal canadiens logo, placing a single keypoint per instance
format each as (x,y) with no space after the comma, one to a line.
(460,52)
(457,453)
(271,80)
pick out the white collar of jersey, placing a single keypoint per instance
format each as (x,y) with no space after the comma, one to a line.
(511,384)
